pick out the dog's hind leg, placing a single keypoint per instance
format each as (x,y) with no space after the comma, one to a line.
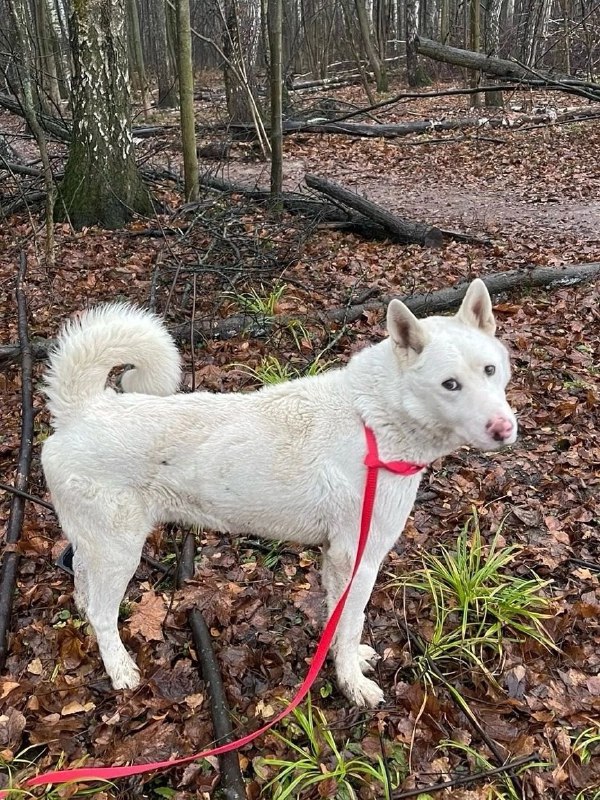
(109,572)
(351,658)
(107,551)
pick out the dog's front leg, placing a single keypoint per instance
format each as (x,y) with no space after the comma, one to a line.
(351,658)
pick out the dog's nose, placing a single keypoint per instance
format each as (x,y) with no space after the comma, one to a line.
(500,428)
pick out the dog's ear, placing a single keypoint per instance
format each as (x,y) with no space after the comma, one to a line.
(476,308)
(405,330)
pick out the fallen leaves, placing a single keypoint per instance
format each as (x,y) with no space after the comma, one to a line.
(148,616)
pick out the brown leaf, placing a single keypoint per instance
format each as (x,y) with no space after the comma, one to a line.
(148,617)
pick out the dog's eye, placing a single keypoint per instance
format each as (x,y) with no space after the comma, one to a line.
(490,369)
(452,385)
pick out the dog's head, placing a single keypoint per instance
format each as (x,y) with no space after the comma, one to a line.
(454,372)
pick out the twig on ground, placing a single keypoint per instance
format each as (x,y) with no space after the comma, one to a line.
(464,780)
(231,775)
(580,562)
(4,487)
(10,562)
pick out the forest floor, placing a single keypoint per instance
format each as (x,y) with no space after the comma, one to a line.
(534,192)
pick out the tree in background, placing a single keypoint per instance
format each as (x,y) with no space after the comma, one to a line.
(186,99)
(101,185)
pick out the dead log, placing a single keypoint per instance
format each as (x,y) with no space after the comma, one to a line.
(379,131)
(503,68)
(425,304)
(436,302)
(322,212)
(400,230)
(51,125)
(384,131)
(10,560)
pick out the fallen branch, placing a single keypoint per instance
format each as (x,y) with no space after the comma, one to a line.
(5,487)
(424,304)
(503,68)
(400,230)
(465,780)
(231,776)
(10,561)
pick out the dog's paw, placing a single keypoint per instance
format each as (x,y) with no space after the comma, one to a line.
(125,675)
(363,692)
(367,658)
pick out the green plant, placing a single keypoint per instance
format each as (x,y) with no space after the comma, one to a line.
(260,303)
(585,742)
(271,370)
(23,766)
(320,759)
(476,603)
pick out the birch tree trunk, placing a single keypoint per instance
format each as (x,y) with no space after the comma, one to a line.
(101,185)
(492,41)
(242,23)
(414,72)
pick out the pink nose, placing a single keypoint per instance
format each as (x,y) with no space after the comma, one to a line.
(500,428)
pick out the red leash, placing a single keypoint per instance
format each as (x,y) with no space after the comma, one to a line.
(373,465)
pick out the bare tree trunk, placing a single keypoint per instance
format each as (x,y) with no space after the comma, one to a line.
(414,72)
(242,23)
(492,40)
(377,65)
(167,82)
(533,29)
(565,6)
(475,47)
(274,15)
(186,99)
(19,15)
(101,185)
(48,77)
(135,41)
(445,21)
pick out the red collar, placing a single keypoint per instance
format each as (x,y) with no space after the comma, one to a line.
(399,467)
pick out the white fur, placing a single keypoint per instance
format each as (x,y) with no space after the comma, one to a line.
(285,462)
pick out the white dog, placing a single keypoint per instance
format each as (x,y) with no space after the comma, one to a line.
(285,462)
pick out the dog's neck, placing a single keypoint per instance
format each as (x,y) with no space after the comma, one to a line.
(399,433)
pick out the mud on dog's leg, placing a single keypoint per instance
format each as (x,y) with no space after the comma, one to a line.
(351,658)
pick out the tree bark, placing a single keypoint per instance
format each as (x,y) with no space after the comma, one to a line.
(400,230)
(167,82)
(135,41)
(274,21)
(377,64)
(186,99)
(101,185)
(414,73)
(240,47)
(492,42)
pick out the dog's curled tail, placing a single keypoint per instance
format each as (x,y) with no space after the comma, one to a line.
(90,346)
